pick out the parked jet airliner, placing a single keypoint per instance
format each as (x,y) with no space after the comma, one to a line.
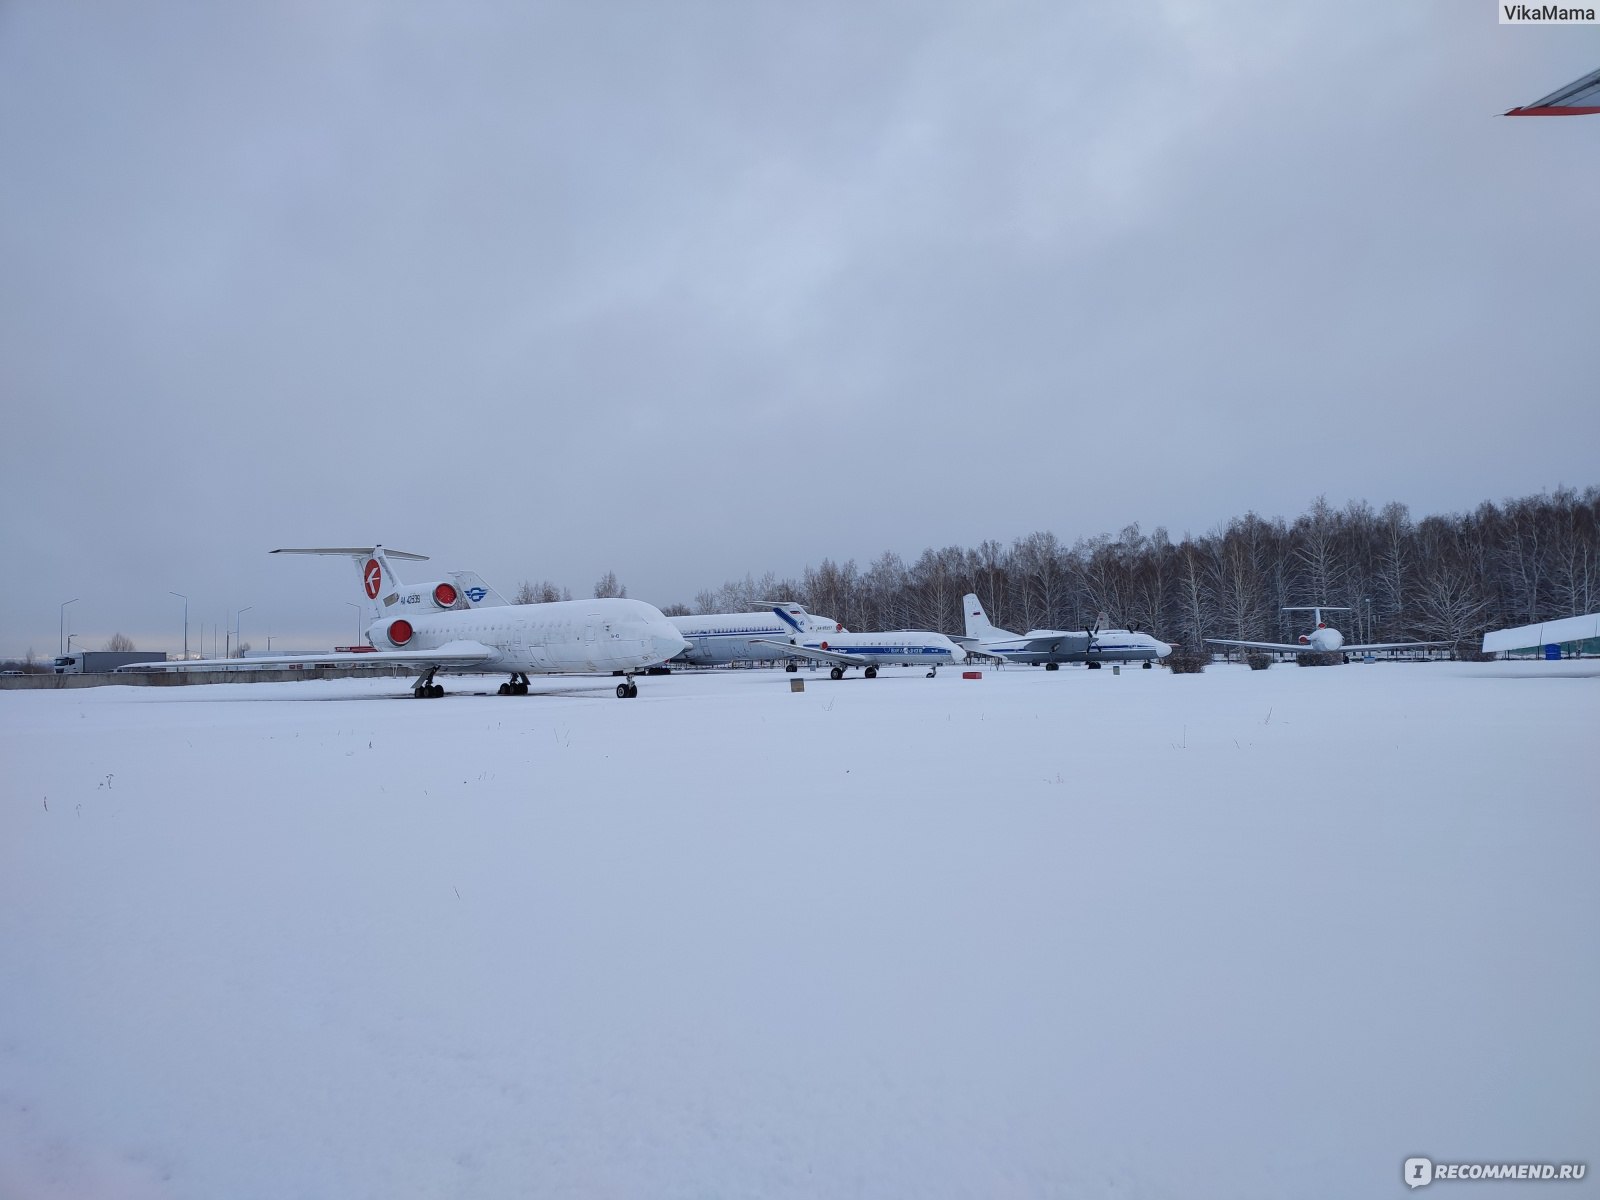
(841,649)
(744,637)
(1052,647)
(1324,638)
(443,626)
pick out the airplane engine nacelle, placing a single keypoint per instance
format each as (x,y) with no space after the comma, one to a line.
(1304,640)
(399,632)
(432,597)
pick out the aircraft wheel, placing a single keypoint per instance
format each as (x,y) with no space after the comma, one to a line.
(871,672)
(1147,664)
(436,691)
(1052,666)
(1094,666)
(932,674)
(505,689)
(836,673)
(419,692)
(633,690)
(791,667)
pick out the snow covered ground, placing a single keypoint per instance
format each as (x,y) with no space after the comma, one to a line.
(1239,934)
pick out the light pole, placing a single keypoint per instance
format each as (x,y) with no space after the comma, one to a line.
(61,643)
(1369,617)
(70,636)
(357,607)
(236,617)
(185,600)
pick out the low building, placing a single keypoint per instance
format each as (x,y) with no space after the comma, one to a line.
(1550,635)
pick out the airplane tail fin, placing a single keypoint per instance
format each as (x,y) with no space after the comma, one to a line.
(796,618)
(977,621)
(1316,610)
(379,586)
(478,593)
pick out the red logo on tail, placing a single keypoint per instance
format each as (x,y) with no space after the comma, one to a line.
(373,578)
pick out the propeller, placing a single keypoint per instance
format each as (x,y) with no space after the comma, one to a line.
(1092,646)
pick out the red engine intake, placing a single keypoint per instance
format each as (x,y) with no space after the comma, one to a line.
(445,595)
(400,631)
(1304,640)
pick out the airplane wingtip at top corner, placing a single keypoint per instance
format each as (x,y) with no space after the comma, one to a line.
(1579,98)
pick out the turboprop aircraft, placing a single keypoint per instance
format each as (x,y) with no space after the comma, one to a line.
(744,637)
(1052,647)
(841,648)
(466,626)
(1323,638)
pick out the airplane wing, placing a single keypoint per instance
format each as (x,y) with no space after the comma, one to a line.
(1577,98)
(975,648)
(1395,646)
(1054,643)
(1284,647)
(451,654)
(837,658)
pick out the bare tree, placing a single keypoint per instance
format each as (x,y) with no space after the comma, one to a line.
(119,642)
(1397,543)
(543,592)
(608,587)
(1446,576)
(1320,572)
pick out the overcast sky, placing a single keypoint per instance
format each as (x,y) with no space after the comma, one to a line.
(690,290)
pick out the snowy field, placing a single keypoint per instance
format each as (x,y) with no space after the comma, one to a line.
(1074,934)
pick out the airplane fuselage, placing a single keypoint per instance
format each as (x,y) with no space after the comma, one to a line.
(1109,645)
(1322,640)
(721,638)
(568,635)
(901,647)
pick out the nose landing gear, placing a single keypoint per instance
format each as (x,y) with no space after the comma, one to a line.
(627,689)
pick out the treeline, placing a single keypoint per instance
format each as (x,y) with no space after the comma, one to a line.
(1443,577)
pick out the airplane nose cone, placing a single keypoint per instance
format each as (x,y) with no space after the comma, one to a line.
(667,643)
(1165,650)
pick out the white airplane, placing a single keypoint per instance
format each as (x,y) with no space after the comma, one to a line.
(1323,638)
(841,648)
(744,637)
(1052,647)
(467,627)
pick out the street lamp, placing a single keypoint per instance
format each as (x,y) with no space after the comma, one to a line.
(70,636)
(236,617)
(357,607)
(185,600)
(61,643)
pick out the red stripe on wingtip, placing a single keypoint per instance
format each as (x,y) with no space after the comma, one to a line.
(1552,110)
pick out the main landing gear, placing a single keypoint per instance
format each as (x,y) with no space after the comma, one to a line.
(836,673)
(1052,666)
(791,668)
(517,687)
(627,689)
(933,672)
(870,673)
(426,688)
